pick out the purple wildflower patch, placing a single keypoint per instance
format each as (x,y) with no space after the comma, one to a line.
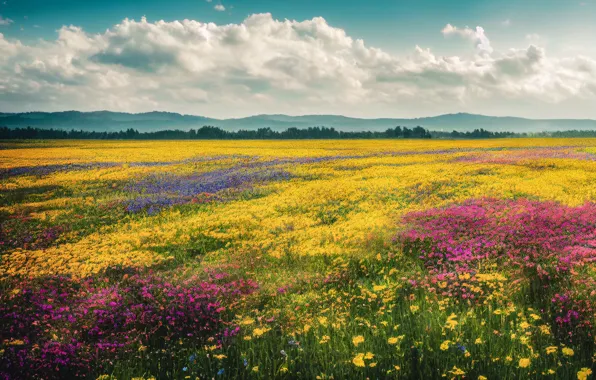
(58,327)
(545,244)
(157,191)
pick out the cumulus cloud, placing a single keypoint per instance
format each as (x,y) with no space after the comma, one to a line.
(477,35)
(5,21)
(263,65)
(219,8)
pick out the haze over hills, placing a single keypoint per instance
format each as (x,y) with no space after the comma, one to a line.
(151,121)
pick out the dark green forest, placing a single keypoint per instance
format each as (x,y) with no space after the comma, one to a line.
(215,133)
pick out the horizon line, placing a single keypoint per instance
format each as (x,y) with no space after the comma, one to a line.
(297,115)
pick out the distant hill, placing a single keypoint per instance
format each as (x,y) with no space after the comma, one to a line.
(152,121)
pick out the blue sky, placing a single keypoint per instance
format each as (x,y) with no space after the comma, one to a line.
(562,29)
(394,25)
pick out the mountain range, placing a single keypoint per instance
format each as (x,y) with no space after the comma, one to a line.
(151,121)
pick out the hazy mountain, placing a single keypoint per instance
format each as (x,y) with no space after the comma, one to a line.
(102,120)
(151,121)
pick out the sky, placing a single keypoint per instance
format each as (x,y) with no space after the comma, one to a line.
(220,58)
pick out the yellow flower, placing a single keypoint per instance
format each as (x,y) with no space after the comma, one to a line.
(359,360)
(259,331)
(324,339)
(451,323)
(551,349)
(414,308)
(247,321)
(357,340)
(478,341)
(372,365)
(392,340)
(445,345)
(535,317)
(584,373)
(545,329)
(255,368)
(220,357)
(567,351)
(457,372)
(524,325)
(369,355)
(524,362)
(323,321)
(482,377)
(378,288)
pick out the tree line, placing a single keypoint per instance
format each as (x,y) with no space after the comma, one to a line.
(484,134)
(214,133)
(571,133)
(477,134)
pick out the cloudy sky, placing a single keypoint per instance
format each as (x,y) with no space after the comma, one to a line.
(233,58)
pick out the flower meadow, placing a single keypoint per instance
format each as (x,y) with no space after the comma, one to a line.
(363,259)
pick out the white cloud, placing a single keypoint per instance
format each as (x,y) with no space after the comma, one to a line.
(219,8)
(263,65)
(478,36)
(5,21)
(506,23)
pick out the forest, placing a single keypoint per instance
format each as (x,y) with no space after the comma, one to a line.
(215,133)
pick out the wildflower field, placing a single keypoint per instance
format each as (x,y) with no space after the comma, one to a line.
(298,259)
